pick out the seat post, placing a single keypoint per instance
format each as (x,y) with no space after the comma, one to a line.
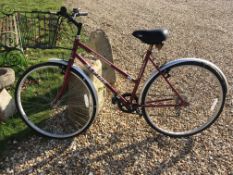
(150,47)
(159,46)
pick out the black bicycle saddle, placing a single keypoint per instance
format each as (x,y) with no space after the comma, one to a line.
(155,36)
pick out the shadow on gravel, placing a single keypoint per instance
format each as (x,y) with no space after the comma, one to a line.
(171,161)
(31,153)
(140,149)
(113,157)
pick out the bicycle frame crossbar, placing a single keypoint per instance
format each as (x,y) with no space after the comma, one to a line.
(147,57)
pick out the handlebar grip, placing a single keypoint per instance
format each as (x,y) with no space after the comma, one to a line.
(83,14)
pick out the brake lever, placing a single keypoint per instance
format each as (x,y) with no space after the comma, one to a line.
(75,12)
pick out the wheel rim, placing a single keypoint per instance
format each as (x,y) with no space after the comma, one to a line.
(196,85)
(70,115)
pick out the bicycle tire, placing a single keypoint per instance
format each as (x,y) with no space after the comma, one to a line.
(195,81)
(70,115)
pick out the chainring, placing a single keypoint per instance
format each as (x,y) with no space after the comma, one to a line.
(132,108)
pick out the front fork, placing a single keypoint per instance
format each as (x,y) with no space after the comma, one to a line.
(64,84)
(67,71)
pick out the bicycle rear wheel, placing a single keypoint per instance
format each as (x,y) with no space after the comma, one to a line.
(197,83)
(37,102)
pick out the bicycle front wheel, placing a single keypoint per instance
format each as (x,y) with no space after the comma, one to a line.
(198,84)
(47,112)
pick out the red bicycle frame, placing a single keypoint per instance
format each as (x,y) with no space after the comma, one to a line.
(147,57)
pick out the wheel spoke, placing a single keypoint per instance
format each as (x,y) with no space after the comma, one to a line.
(69,116)
(198,85)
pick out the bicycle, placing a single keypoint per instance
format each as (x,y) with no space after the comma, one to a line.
(181,98)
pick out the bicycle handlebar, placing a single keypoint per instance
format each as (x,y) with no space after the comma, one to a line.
(71,17)
(75,13)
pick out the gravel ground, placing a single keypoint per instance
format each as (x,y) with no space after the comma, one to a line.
(119,143)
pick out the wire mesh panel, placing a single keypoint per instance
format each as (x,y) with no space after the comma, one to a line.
(38,29)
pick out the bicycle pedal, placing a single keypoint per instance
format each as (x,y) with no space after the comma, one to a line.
(115,100)
(139,112)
